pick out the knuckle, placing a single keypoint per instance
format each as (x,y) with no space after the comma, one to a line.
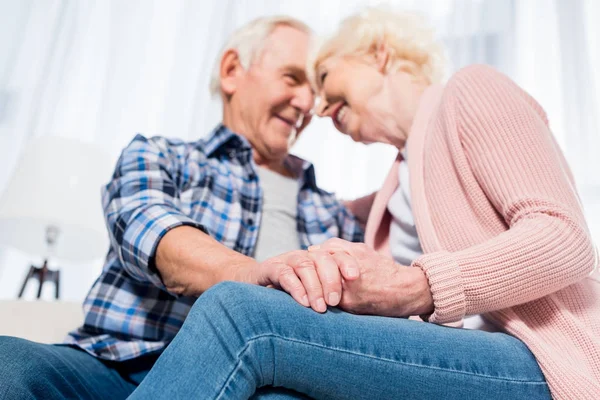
(304,263)
(320,257)
(333,241)
(286,272)
(331,281)
(362,248)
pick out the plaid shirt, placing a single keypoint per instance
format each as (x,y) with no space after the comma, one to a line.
(159,184)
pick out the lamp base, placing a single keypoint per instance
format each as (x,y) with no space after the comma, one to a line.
(42,274)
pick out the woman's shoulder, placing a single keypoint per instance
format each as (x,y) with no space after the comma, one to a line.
(476,77)
(479,84)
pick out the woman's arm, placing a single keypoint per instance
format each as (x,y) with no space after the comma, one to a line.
(517,163)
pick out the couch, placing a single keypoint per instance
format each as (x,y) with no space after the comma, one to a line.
(39,321)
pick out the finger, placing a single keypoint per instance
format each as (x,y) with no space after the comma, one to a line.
(305,269)
(329,275)
(347,265)
(332,244)
(286,279)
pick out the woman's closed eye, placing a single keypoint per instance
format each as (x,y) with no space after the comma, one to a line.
(322,77)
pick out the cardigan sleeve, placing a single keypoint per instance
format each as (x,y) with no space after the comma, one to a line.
(517,163)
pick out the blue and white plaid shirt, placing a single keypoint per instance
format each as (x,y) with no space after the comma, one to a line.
(159,184)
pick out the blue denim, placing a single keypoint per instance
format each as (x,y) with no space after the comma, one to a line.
(239,338)
(31,370)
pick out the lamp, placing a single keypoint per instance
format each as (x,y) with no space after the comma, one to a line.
(52,206)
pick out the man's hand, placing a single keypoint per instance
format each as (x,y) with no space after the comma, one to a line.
(384,287)
(312,279)
(190,262)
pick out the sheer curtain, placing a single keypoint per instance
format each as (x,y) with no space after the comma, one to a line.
(103,70)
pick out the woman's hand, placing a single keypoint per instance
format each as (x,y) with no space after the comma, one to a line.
(312,279)
(383,287)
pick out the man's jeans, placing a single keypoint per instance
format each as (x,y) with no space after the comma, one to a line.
(38,371)
(31,370)
(238,338)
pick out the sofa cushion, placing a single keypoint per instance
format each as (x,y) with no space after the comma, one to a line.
(39,321)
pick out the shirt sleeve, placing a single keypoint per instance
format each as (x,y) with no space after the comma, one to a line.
(350,227)
(141,204)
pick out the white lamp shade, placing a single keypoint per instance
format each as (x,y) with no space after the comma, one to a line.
(57,182)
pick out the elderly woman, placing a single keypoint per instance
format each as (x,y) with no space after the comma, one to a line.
(479,203)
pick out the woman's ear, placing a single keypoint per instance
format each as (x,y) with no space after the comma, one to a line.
(414,70)
(382,58)
(229,72)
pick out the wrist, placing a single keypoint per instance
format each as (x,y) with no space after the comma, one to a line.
(244,270)
(423,300)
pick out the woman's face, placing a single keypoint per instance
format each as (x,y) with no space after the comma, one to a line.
(354,95)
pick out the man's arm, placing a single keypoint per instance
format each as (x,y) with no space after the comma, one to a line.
(190,262)
(155,241)
(361,207)
(352,217)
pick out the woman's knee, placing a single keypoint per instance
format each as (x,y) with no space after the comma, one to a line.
(238,304)
(232,296)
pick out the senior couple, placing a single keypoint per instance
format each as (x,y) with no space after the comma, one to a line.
(232,275)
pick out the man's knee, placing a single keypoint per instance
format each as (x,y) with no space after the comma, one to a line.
(23,367)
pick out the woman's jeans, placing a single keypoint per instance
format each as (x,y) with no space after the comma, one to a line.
(239,338)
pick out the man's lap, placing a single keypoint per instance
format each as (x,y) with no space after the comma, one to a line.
(31,370)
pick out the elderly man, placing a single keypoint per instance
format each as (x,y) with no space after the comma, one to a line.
(183,217)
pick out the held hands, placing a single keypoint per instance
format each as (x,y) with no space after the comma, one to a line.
(349,275)
(313,279)
(384,287)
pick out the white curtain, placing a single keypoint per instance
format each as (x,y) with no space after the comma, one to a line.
(102,70)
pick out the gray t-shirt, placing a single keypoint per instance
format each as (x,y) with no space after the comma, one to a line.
(278,231)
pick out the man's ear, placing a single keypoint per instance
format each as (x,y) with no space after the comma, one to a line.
(230,71)
(382,57)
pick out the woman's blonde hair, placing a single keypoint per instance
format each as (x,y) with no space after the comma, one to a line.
(406,36)
(249,40)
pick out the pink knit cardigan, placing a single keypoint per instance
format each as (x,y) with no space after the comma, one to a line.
(501,225)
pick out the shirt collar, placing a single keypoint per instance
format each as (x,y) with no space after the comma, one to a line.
(224,139)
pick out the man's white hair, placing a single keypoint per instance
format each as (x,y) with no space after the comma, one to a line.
(249,40)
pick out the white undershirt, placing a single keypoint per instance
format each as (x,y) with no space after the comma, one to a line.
(404,239)
(277,232)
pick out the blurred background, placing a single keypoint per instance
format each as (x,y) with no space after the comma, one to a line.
(101,70)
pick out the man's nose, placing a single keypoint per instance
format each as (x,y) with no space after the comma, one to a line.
(304,99)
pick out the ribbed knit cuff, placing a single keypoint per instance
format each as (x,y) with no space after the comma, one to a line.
(443,274)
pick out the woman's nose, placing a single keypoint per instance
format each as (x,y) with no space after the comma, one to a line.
(322,107)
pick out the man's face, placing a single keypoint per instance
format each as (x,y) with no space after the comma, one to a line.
(274,97)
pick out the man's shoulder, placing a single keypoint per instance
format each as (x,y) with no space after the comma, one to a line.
(171,148)
(164,142)
(306,171)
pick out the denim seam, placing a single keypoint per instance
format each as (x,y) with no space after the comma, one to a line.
(256,338)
